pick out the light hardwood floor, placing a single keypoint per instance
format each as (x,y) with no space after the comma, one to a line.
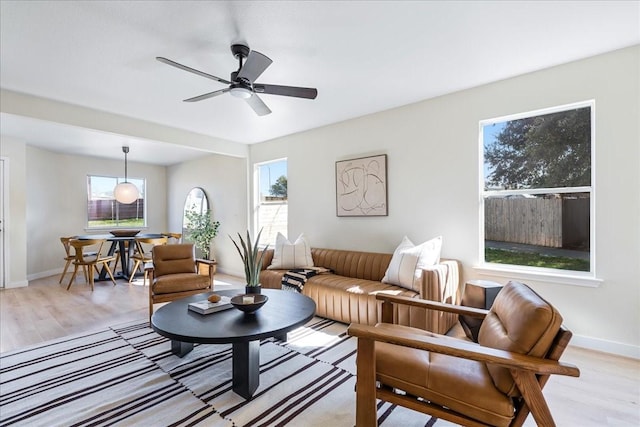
(606,394)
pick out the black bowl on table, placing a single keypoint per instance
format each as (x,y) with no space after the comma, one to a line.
(249,307)
(124,233)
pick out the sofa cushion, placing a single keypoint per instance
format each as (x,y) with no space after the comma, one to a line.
(405,268)
(349,300)
(291,255)
(358,265)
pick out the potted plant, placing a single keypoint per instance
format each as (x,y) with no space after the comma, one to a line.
(252,260)
(201,230)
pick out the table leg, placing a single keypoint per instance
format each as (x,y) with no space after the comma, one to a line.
(246,368)
(282,337)
(180,348)
(124,258)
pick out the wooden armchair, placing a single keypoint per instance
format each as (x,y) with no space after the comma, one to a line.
(497,381)
(176,273)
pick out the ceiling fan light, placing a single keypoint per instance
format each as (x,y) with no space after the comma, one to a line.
(241,92)
(126,193)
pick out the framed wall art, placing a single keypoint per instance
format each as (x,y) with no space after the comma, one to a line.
(361,186)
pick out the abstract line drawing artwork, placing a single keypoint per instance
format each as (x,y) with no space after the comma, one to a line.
(361,186)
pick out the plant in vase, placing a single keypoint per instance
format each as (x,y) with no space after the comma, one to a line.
(252,260)
(201,230)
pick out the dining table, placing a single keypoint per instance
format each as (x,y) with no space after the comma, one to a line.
(124,250)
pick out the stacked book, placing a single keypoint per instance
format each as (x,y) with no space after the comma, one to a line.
(208,307)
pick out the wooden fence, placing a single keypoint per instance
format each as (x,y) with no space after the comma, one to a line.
(551,222)
(106,209)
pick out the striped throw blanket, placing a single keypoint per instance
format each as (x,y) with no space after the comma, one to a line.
(295,279)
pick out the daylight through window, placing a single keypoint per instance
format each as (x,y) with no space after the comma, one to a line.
(537,195)
(103,211)
(271,206)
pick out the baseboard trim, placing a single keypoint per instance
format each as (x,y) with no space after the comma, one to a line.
(40,275)
(612,347)
(20,284)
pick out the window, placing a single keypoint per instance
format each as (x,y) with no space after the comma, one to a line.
(537,195)
(104,212)
(271,206)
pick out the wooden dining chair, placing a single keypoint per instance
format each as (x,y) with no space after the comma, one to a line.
(89,260)
(70,256)
(142,254)
(173,237)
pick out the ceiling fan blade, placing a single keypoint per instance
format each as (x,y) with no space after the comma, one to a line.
(258,105)
(298,92)
(191,70)
(207,95)
(255,65)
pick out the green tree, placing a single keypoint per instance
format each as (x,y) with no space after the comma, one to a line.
(201,230)
(279,189)
(551,150)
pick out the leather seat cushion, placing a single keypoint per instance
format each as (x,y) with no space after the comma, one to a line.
(460,384)
(180,282)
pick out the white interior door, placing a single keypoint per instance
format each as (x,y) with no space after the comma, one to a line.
(4,191)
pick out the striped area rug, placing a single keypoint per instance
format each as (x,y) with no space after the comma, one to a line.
(127,375)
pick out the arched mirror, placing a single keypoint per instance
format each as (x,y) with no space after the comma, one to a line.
(196,202)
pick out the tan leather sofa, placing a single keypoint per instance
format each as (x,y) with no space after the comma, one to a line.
(348,294)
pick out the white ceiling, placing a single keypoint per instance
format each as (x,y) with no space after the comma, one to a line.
(362,56)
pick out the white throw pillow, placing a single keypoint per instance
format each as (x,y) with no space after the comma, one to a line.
(291,255)
(405,268)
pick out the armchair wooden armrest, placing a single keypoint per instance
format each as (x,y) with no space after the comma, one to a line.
(389,300)
(464,349)
(206,267)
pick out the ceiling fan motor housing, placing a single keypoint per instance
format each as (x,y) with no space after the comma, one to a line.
(240,50)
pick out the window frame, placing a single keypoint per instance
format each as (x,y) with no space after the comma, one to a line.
(512,271)
(257,200)
(118,180)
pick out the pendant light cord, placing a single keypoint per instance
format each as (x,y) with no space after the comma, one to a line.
(126,151)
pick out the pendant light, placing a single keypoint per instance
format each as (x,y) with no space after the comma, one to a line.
(126,192)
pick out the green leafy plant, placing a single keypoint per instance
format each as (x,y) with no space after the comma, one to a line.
(251,258)
(201,230)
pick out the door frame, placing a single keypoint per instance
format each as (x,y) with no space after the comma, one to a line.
(4,220)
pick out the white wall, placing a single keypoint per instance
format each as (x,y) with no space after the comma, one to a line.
(56,202)
(224,180)
(433,181)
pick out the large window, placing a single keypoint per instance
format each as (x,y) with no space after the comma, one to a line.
(104,212)
(271,204)
(537,195)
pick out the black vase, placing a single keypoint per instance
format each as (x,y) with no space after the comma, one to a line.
(252,289)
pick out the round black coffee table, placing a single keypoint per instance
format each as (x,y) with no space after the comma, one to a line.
(283,312)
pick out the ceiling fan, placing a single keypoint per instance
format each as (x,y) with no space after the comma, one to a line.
(242,82)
